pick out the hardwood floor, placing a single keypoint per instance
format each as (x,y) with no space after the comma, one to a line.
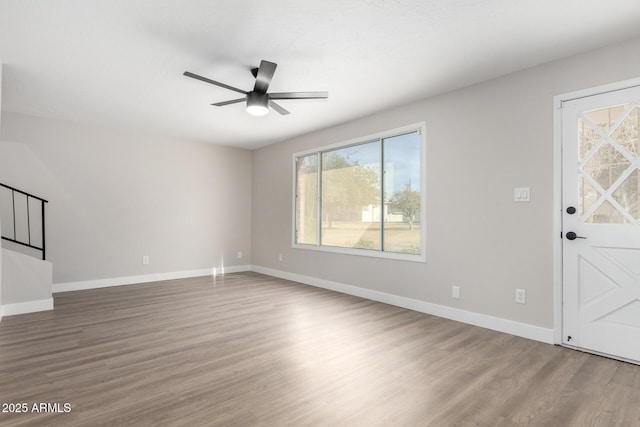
(251,350)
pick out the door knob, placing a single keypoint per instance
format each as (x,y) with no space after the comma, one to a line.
(571,210)
(573,236)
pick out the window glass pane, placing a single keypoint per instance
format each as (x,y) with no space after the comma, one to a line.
(588,138)
(607,214)
(628,133)
(362,196)
(606,165)
(606,117)
(351,197)
(307,199)
(628,194)
(588,196)
(612,165)
(401,214)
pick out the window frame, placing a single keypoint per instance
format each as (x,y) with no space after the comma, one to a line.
(420,128)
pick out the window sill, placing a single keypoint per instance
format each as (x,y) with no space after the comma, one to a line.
(362,252)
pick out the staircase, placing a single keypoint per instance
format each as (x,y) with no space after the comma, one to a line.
(20,206)
(26,276)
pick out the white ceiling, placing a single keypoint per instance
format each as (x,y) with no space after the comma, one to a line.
(119,63)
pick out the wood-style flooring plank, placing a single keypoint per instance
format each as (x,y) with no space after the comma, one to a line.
(247,349)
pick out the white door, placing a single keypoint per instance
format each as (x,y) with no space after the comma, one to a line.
(601,223)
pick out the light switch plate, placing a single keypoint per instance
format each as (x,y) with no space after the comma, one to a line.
(522,194)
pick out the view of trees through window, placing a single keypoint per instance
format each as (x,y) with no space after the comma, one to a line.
(362,196)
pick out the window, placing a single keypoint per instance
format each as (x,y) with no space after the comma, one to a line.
(363,197)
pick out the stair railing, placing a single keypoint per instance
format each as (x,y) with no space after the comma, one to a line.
(28,241)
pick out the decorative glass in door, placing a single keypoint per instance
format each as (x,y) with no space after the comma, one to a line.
(609,169)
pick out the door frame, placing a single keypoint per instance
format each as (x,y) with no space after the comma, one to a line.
(557,188)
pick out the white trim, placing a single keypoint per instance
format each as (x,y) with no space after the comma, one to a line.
(419,127)
(557,220)
(27,307)
(597,90)
(524,330)
(145,278)
(557,188)
(361,252)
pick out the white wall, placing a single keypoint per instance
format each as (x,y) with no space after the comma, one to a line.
(482,141)
(1,250)
(116,196)
(1,65)
(25,280)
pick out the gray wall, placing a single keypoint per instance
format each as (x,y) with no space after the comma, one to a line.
(482,141)
(1,65)
(116,196)
(24,278)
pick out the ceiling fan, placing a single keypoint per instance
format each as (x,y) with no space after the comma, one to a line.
(258,100)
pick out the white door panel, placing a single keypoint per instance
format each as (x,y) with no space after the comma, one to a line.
(601,264)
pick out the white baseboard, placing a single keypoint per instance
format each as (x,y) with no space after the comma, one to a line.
(145,278)
(27,307)
(524,330)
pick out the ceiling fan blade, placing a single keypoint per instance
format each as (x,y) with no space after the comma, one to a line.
(233,101)
(264,76)
(278,108)
(213,82)
(299,95)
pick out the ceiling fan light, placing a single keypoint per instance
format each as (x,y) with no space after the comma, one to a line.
(257,110)
(257,104)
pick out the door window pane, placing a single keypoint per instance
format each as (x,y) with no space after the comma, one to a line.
(627,134)
(628,195)
(609,159)
(606,117)
(588,138)
(606,165)
(588,196)
(607,214)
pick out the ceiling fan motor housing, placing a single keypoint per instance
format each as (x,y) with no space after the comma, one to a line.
(257,103)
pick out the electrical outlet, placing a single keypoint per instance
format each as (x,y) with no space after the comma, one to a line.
(239,255)
(145,259)
(521,296)
(455,292)
(280,256)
